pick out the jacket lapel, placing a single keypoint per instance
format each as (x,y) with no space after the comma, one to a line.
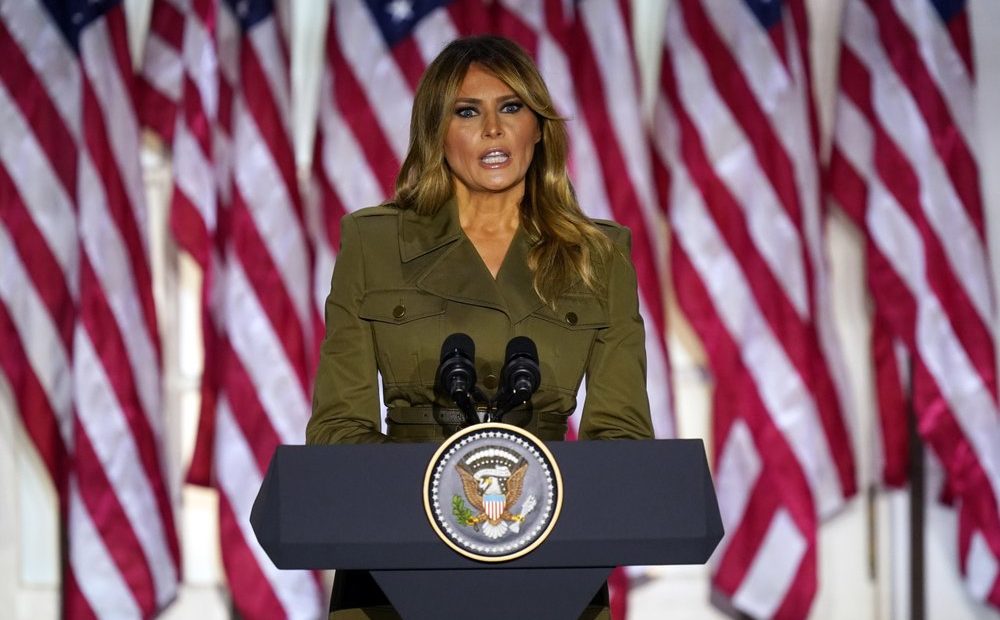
(420,234)
(515,280)
(457,272)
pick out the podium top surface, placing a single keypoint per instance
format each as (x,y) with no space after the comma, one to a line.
(361,506)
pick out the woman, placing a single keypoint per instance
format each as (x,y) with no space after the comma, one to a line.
(485,237)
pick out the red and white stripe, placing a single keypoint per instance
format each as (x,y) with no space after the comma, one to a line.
(584,53)
(904,166)
(494,508)
(163,72)
(77,306)
(236,210)
(734,130)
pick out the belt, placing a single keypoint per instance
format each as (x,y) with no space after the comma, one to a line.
(432,414)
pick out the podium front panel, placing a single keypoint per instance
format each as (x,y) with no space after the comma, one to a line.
(361,507)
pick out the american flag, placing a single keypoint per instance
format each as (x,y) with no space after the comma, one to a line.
(376,53)
(735,131)
(904,166)
(77,320)
(236,209)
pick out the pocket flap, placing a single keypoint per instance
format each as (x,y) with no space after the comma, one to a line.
(399,306)
(576,312)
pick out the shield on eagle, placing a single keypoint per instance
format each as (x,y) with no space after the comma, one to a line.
(494,504)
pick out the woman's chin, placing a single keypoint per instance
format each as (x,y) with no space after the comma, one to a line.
(495,187)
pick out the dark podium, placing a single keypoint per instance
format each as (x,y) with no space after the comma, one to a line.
(361,507)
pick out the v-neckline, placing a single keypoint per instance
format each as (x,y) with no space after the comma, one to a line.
(503,261)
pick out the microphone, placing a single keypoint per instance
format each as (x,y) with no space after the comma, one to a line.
(520,376)
(456,375)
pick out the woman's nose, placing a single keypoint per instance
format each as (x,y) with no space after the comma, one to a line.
(491,125)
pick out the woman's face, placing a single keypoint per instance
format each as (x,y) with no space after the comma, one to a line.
(491,136)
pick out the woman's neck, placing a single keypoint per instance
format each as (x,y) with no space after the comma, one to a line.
(489,213)
(490,222)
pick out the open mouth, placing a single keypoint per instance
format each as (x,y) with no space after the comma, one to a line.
(495,157)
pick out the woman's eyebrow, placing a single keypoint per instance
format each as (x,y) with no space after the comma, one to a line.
(477,100)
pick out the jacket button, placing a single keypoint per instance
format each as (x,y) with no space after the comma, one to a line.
(399,311)
(571,318)
(490,381)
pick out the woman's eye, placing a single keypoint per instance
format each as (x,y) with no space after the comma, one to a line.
(511,107)
(466,112)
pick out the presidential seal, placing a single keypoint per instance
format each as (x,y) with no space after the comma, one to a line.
(493,492)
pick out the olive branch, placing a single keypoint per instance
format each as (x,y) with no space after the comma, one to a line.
(461,511)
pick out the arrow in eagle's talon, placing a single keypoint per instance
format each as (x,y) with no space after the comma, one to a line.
(529,505)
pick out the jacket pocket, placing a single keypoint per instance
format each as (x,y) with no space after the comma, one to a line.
(564,336)
(400,306)
(405,325)
(576,313)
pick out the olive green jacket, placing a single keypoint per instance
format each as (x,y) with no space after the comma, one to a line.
(404,282)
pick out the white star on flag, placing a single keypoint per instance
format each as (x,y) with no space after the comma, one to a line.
(400,10)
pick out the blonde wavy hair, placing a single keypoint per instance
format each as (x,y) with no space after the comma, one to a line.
(565,245)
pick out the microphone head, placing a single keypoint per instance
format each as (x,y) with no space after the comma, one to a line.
(456,374)
(458,343)
(521,375)
(522,346)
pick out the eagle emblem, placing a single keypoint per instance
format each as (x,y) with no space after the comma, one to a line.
(492,492)
(492,479)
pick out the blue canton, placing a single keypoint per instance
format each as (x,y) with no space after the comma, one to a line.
(767,12)
(72,16)
(250,12)
(397,18)
(948,8)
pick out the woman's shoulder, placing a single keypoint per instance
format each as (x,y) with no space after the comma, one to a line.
(618,234)
(371,226)
(380,221)
(386,209)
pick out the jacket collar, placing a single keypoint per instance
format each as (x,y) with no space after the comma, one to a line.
(459,273)
(420,234)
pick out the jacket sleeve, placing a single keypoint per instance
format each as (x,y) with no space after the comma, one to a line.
(617,406)
(345,397)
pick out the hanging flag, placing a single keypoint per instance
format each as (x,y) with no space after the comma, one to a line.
(904,167)
(735,132)
(236,210)
(81,349)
